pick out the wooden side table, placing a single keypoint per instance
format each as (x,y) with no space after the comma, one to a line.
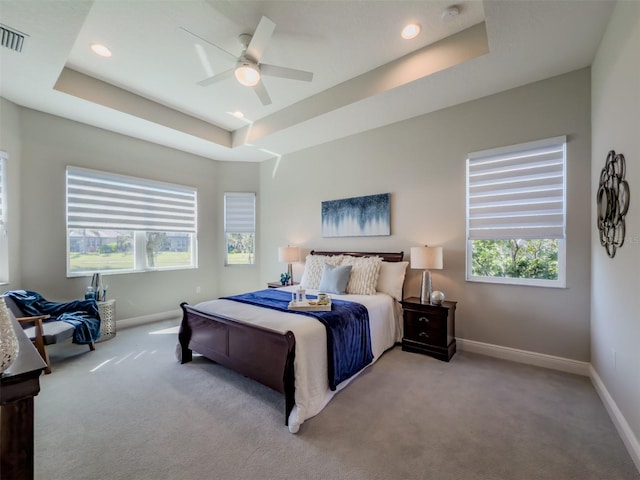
(19,384)
(429,329)
(107,312)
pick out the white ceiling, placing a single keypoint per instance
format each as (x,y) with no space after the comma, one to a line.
(365,75)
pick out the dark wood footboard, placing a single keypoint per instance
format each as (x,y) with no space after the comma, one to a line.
(256,352)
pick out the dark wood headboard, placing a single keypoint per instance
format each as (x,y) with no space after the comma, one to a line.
(386,256)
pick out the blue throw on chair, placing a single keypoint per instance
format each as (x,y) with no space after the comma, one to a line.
(46,322)
(82,314)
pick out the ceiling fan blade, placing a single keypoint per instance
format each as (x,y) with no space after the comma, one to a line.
(194,37)
(216,78)
(261,91)
(261,38)
(284,72)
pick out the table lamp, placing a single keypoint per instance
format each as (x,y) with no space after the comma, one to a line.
(289,255)
(427,258)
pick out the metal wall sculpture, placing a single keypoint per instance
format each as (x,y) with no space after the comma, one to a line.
(612,202)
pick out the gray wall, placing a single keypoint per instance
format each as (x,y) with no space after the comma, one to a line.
(615,298)
(421,162)
(10,142)
(47,145)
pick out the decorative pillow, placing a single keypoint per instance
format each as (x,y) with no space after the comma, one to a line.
(364,274)
(391,278)
(313,269)
(334,278)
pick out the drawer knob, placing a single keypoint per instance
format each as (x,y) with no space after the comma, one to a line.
(423,319)
(423,334)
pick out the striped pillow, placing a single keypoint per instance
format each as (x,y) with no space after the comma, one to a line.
(313,269)
(364,274)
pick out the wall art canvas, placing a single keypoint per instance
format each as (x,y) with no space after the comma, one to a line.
(356,217)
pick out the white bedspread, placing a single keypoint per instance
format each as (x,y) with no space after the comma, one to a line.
(311,371)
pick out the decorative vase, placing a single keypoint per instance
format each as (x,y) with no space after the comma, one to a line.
(8,339)
(437,297)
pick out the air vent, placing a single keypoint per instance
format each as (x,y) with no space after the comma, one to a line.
(11,39)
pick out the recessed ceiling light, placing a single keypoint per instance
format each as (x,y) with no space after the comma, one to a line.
(101,50)
(410,31)
(238,114)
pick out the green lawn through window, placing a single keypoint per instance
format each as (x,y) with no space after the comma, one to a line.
(94,262)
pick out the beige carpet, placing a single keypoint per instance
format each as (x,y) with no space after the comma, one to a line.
(141,415)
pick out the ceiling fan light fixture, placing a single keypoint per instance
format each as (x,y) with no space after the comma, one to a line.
(412,30)
(247,73)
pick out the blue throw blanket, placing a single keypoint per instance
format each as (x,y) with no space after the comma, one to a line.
(82,314)
(347,324)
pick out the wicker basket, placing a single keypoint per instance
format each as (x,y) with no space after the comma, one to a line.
(107,320)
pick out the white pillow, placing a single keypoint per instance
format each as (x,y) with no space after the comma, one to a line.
(313,269)
(364,274)
(391,278)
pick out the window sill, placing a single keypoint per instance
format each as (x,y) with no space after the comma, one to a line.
(522,282)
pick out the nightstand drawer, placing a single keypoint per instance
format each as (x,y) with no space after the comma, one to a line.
(436,336)
(422,321)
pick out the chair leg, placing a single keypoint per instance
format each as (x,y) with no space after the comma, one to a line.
(42,350)
(92,346)
(38,341)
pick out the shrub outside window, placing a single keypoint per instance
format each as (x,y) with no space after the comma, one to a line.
(516,214)
(121,224)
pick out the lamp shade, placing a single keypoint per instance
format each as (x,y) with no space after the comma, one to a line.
(288,254)
(429,258)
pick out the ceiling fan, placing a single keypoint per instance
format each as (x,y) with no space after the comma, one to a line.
(248,69)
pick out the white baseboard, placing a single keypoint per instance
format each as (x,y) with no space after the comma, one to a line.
(524,356)
(154,317)
(564,365)
(624,430)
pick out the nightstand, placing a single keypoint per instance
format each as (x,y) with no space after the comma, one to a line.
(429,329)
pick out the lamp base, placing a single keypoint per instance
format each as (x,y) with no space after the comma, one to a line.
(425,292)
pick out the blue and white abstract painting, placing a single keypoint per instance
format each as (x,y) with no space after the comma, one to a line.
(356,217)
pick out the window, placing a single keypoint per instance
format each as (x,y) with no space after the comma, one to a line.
(516,214)
(240,228)
(4,239)
(119,224)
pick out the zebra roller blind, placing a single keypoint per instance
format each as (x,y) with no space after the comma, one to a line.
(102,200)
(517,191)
(239,212)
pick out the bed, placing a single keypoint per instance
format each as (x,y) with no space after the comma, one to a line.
(287,351)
